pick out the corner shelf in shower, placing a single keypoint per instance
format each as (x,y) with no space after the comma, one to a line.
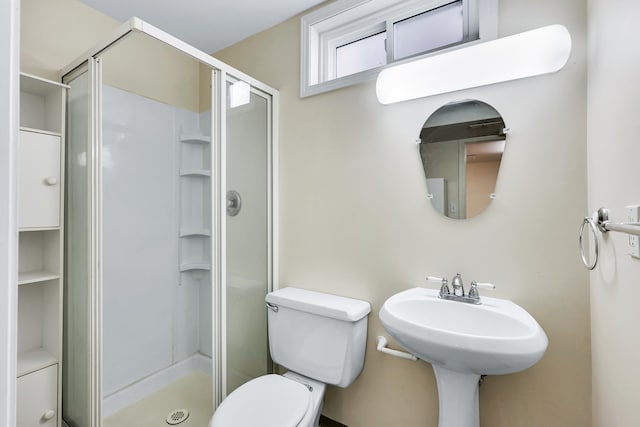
(195,139)
(195,232)
(195,172)
(195,266)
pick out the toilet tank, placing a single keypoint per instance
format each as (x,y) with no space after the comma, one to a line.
(318,335)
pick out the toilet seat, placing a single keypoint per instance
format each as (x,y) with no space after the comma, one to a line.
(267,401)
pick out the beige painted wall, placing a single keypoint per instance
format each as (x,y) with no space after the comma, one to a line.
(614,182)
(355,221)
(55,32)
(148,67)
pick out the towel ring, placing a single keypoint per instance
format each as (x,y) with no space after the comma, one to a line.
(592,224)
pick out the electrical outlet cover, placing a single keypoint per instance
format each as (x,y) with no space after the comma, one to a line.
(633,215)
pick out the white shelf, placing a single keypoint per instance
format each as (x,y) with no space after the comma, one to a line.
(25,230)
(34,360)
(195,232)
(195,172)
(25,277)
(195,139)
(45,132)
(38,85)
(195,266)
(40,250)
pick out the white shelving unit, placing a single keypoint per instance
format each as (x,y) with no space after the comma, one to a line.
(40,221)
(195,190)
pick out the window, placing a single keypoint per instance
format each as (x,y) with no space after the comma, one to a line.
(360,55)
(348,41)
(433,29)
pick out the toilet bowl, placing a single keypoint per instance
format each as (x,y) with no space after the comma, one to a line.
(321,339)
(288,400)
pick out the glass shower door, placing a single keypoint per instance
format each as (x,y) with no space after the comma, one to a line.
(75,382)
(248,232)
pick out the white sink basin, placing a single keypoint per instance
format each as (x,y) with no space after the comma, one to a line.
(463,341)
(495,337)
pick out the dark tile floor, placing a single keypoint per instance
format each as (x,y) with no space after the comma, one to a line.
(328,422)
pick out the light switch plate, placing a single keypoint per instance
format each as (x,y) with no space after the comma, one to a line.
(633,215)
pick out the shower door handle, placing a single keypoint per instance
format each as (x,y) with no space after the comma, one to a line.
(234,203)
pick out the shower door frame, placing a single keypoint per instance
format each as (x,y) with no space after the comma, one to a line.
(220,74)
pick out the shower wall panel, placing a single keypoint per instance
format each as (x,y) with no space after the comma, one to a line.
(150,320)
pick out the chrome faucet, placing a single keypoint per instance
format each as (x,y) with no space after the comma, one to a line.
(458,286)
(473,297)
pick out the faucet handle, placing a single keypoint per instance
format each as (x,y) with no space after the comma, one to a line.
(483,285)
(473,289)
(444,289)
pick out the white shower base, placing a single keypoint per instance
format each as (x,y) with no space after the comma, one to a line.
(139,391)
(192,392)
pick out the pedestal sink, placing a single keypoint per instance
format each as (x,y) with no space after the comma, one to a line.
(463,341)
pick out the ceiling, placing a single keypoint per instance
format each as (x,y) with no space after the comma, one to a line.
(209,25)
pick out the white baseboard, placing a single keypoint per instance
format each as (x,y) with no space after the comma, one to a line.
(139,390)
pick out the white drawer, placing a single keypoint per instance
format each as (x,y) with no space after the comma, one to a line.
(37,400)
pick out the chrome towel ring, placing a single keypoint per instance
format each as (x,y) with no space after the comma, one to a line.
(594,230)
(599,223)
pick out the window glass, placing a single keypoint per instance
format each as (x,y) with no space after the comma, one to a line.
(364,54)
(429,30)
(348,41)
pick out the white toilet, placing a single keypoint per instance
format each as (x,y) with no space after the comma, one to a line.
(321,339)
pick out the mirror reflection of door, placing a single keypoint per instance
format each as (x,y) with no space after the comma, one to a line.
(461,146)
(483,163)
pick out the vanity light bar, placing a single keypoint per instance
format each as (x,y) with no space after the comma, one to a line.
(541,51)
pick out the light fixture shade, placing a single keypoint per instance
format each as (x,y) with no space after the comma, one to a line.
(239,94)
(527,54)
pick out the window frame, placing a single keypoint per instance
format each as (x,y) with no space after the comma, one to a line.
(346,21)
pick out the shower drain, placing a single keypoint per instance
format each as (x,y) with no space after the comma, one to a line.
(177,416)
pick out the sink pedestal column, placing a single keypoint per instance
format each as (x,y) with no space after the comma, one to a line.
(457,398)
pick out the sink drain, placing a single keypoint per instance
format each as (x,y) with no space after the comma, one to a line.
(177,416)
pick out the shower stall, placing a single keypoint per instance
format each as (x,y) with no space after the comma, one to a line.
(171,166)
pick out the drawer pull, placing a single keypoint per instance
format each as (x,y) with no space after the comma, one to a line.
(49,414)
(52,180)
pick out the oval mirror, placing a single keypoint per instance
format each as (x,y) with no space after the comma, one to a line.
(461,146)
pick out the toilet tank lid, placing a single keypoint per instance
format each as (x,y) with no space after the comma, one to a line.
(333,306)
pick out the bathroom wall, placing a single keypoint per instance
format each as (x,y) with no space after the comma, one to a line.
(148,67)
(55,32)
(355,221)
(614,178)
